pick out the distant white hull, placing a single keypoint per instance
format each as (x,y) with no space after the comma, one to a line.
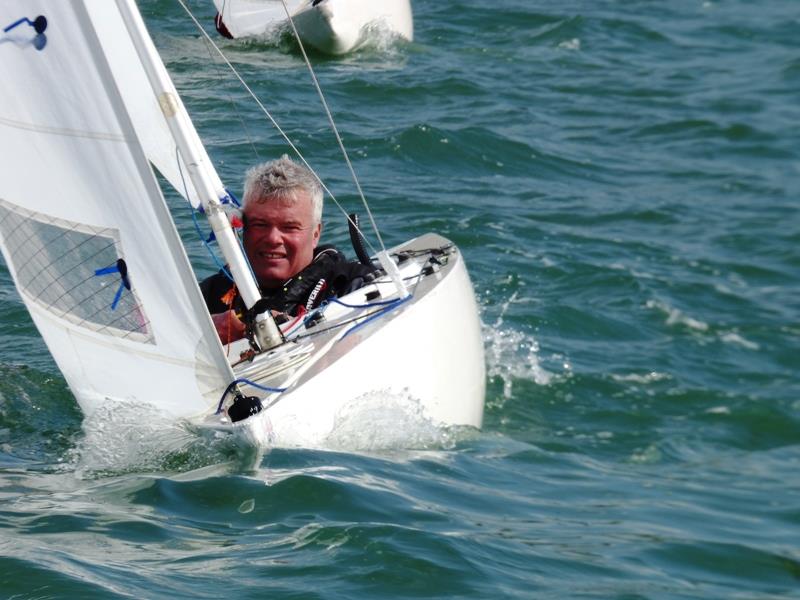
(330,26)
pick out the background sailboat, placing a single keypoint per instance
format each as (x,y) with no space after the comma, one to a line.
(101,268)
(331,26)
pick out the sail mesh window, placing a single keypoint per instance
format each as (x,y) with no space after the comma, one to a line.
(55,263)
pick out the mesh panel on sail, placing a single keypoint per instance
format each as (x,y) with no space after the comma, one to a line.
(71,270)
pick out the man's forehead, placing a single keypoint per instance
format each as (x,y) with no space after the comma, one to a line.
(298,205)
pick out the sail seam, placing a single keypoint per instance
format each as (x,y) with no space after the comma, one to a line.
(63,131)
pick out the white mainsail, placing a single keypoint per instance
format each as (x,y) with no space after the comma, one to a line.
(85,230)
(145,114)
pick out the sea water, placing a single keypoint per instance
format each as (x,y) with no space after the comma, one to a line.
(622,178)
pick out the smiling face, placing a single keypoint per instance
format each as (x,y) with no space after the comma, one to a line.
(280,235)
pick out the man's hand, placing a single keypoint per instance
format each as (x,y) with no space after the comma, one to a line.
(229,327)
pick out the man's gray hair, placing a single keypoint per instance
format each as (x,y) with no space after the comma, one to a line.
(282,178)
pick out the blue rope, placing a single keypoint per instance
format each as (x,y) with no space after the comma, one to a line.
(39,24)
(206,242)
(370,305)
(124,281)
(230,198)
(312,313)
(235,382)
(388,306)
(387,309)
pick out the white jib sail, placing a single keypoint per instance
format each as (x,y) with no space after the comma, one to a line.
(84,228)
(147,118)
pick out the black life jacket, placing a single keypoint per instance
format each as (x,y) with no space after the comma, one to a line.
(329,274)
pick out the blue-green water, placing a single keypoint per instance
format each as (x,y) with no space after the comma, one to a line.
(623,180)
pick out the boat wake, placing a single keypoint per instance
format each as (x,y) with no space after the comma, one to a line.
(124,438)
(127,437)
(387,421)
(377,38)
(513,355)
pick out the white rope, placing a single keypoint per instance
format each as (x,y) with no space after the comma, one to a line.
(285,136)
(333,127)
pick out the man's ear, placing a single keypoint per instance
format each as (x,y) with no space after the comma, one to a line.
(317,234)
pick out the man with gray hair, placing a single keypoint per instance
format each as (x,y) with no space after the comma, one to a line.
(282,217)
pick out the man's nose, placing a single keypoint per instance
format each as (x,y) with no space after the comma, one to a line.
(273,235)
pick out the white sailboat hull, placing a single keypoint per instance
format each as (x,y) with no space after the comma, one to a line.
(330,26)
(427,353)
(412,356)
(341,26)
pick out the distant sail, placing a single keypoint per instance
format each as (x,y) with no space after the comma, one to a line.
(85,230)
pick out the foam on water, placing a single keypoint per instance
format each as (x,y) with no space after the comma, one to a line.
(128,437)
(380,420)
(377,38)
(121,436)
(124,437)
(512,355)
(572,44)
(732,337)
(676,316)
(381,38)
(646,378)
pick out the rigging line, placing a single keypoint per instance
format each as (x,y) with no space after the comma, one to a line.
(221,266)
(273,121)
(377,314)
(244,127)
(207,243)
(335,129)
(249,382)
(363,316)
